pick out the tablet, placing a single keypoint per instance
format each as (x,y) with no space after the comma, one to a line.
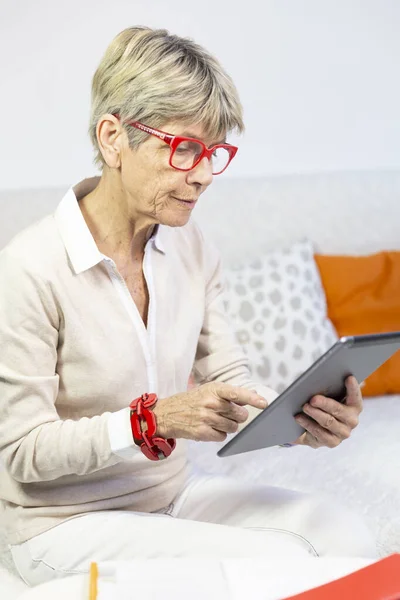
(356,355)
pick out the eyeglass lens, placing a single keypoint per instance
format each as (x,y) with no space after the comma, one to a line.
(187,153)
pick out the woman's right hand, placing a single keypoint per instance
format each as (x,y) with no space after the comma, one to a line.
(206,413)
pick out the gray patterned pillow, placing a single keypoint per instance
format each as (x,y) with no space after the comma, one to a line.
(278,308)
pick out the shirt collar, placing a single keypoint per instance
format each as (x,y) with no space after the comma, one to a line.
(78,241)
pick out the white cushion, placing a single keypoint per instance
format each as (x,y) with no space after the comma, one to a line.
(278,308)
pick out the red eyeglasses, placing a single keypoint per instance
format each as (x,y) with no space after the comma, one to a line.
(186,153)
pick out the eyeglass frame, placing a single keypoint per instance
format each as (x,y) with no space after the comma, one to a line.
(173,142)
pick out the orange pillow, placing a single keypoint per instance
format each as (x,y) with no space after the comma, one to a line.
(363,296)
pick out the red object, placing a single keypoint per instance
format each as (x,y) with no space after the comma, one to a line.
(174,140)
(154,448)
(379,581)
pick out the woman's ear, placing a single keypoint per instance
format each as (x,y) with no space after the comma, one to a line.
(110,138)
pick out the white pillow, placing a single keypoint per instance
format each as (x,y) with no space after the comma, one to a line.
(278,308)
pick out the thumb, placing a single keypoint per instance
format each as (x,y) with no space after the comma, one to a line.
(354,395)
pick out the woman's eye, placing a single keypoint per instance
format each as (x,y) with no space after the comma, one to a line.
(181,149)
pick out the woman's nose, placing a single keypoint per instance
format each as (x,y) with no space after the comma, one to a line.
(202,173)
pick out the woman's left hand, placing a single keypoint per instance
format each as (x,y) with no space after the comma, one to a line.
(328,422)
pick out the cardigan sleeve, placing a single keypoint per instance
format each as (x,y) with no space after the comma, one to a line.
(35,444)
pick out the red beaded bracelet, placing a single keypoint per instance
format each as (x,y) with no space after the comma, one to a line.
(154,448)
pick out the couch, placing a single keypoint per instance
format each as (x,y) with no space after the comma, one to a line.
(341,213)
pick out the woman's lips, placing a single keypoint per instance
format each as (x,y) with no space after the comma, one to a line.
(190,203)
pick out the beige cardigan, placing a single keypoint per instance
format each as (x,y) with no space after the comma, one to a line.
(75,352)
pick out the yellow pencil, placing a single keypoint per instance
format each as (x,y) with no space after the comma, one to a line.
(94,573)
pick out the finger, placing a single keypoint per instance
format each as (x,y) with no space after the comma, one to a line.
(222,424)
(240,395)
(328,421)
(324,437)
(341,412)
(354,396)
(233,411)
(207,433)
(306,439)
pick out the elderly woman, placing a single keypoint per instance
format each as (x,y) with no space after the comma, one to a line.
(106,307)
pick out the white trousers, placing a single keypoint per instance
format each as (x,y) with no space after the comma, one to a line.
(212,517)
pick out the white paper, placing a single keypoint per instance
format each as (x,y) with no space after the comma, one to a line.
(174,579)
(230,579)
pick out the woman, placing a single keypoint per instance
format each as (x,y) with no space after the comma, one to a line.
(113,299)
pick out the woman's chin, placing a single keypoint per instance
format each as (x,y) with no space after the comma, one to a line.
(175,218)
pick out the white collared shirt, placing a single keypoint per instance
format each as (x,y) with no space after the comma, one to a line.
(84,254)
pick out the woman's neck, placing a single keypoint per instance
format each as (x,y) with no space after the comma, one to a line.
(117,232)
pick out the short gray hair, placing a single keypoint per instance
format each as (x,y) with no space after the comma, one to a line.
(151,76)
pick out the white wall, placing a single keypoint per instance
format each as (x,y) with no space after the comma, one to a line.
(319,80)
